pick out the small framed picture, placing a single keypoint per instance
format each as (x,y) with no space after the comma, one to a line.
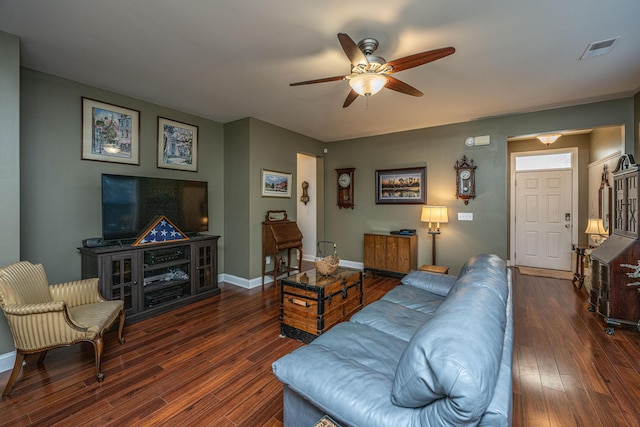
(401,186)
(276,184)
(110,133)
(177,145)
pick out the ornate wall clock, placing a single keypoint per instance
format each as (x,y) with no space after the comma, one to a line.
(465,179)
(345,188)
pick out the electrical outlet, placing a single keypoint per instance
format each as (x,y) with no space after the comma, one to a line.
(268,259)
(465,216)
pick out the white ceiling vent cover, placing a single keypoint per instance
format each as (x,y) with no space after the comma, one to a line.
(599,48)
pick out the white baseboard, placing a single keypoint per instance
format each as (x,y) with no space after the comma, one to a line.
(352,264)
(7,360)
(244,283)
(257,282)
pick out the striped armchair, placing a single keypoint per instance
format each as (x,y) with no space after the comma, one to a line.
(42,317)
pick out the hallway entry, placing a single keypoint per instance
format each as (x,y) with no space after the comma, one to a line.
(544,210)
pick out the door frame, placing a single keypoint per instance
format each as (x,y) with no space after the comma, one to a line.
(512,195)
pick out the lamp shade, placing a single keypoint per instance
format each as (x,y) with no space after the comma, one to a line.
(595,226)
(367,84)
(437,214)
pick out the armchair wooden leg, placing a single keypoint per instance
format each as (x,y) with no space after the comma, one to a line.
(14,373)
(97,346)
(120,327)
(41,357)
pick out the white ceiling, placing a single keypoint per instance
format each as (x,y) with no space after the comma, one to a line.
(230,59)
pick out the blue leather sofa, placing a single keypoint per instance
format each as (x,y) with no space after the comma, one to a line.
(434,351)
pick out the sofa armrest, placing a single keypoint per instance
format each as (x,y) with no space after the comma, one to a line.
(77,293)
(436,283)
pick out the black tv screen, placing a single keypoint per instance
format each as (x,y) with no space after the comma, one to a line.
(131,203)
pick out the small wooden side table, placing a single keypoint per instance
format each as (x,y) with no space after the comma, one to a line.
(578,276)
(434,269)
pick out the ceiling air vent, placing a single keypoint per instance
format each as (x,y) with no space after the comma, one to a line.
(599,48)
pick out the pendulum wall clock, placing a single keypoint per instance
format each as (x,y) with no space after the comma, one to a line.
(345,188)
(465,179)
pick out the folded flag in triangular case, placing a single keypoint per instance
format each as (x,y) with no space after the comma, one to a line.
(160,230)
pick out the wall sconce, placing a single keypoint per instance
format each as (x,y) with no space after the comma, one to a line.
(437,214)
(305,195)
(595,229)
(549,139)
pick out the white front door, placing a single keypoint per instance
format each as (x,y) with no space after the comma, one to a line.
(543,219)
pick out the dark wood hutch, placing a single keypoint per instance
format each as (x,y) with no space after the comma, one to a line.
(615,292)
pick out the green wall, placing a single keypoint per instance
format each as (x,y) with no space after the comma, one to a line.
(61,194)
(438,148)
(237,200)
(250,146)
(9,164)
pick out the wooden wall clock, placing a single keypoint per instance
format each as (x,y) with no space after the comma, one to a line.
(465,179)
(345,188)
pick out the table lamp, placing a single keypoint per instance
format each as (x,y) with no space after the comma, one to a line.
(437,215)
(595,229)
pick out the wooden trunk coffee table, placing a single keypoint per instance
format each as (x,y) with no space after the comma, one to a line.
(311,303)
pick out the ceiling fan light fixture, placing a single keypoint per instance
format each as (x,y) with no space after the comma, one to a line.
(549,139)
(367,84)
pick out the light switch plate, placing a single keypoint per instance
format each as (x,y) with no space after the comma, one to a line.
(465,216)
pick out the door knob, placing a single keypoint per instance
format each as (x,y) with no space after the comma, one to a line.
(567,226)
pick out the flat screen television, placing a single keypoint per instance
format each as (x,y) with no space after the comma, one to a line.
(131,203)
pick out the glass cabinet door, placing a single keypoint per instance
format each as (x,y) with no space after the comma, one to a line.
(205,267)
(124,280)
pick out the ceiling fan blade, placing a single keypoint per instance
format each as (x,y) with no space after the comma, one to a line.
(326,79)
(353,52)
(402,87)
(419,59)
(350,98)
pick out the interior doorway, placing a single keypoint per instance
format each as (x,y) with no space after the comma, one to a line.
(544,206)
(307,213)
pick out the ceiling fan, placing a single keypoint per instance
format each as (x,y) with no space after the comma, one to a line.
(371,73)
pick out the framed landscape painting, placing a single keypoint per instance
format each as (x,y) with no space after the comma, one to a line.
(110,133)
(276,184)
(177,145)
(401,186)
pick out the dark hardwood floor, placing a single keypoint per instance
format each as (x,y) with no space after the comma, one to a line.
(210,364)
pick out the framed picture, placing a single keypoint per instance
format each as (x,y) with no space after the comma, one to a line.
(177,145)
(401,186)
(110,133)
(276,184)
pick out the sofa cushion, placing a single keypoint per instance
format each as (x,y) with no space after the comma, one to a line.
(490,279)
(454,359)
(348,373)
(484,262)
(391,318)
(439,284)
(414,298)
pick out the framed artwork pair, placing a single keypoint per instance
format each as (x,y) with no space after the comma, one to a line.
(111,133)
